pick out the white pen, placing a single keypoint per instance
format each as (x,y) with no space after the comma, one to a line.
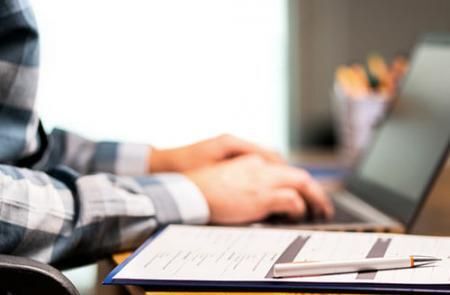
(300,269)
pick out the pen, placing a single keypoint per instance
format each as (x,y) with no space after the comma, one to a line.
(300,269)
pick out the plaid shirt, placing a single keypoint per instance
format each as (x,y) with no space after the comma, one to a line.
(67,201)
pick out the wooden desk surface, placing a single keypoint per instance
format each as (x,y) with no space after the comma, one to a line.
(433,220)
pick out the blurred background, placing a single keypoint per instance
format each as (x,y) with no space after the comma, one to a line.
(171,72)
(165,72)
(325,34)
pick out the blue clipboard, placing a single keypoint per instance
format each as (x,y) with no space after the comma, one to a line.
(266,286)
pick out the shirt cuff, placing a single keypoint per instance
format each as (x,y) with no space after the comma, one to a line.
(132,159)
(190,201)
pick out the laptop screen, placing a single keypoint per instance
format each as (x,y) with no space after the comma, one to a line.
(410,145)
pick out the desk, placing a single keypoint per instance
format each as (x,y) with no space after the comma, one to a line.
(433,220)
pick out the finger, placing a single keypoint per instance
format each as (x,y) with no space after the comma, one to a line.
(285,200)
(313,191)
(235,147)
(308,188)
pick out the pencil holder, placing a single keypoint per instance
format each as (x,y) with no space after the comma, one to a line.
(355,121)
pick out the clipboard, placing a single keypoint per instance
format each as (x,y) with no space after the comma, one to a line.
(167,284)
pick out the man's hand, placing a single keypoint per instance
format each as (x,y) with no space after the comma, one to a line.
(248,188)
(206,153)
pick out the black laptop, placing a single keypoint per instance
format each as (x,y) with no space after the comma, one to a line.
(391,182)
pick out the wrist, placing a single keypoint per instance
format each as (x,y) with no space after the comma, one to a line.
(161,160)
(155,161)
(190,202)
(198,179)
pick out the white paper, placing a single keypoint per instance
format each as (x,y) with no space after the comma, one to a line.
(248,254)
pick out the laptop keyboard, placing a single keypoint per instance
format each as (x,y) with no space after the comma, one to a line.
(342,215)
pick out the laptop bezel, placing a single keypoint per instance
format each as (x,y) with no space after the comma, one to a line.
(384,199)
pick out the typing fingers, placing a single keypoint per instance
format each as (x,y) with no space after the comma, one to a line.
(306,186)
(286,200)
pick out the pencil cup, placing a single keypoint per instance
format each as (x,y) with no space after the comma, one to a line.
(355,120)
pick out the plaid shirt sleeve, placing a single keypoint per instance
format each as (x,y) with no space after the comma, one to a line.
(87,156)
(67,201)
(59,215)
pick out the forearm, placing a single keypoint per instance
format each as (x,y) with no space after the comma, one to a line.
(87,156)
(52,219)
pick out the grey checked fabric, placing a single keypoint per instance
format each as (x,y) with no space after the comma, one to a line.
(63,197)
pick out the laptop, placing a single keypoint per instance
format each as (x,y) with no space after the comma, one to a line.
(388,187)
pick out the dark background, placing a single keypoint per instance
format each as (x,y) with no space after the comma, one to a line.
(325,34)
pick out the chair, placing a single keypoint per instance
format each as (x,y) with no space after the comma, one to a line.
(20,275)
